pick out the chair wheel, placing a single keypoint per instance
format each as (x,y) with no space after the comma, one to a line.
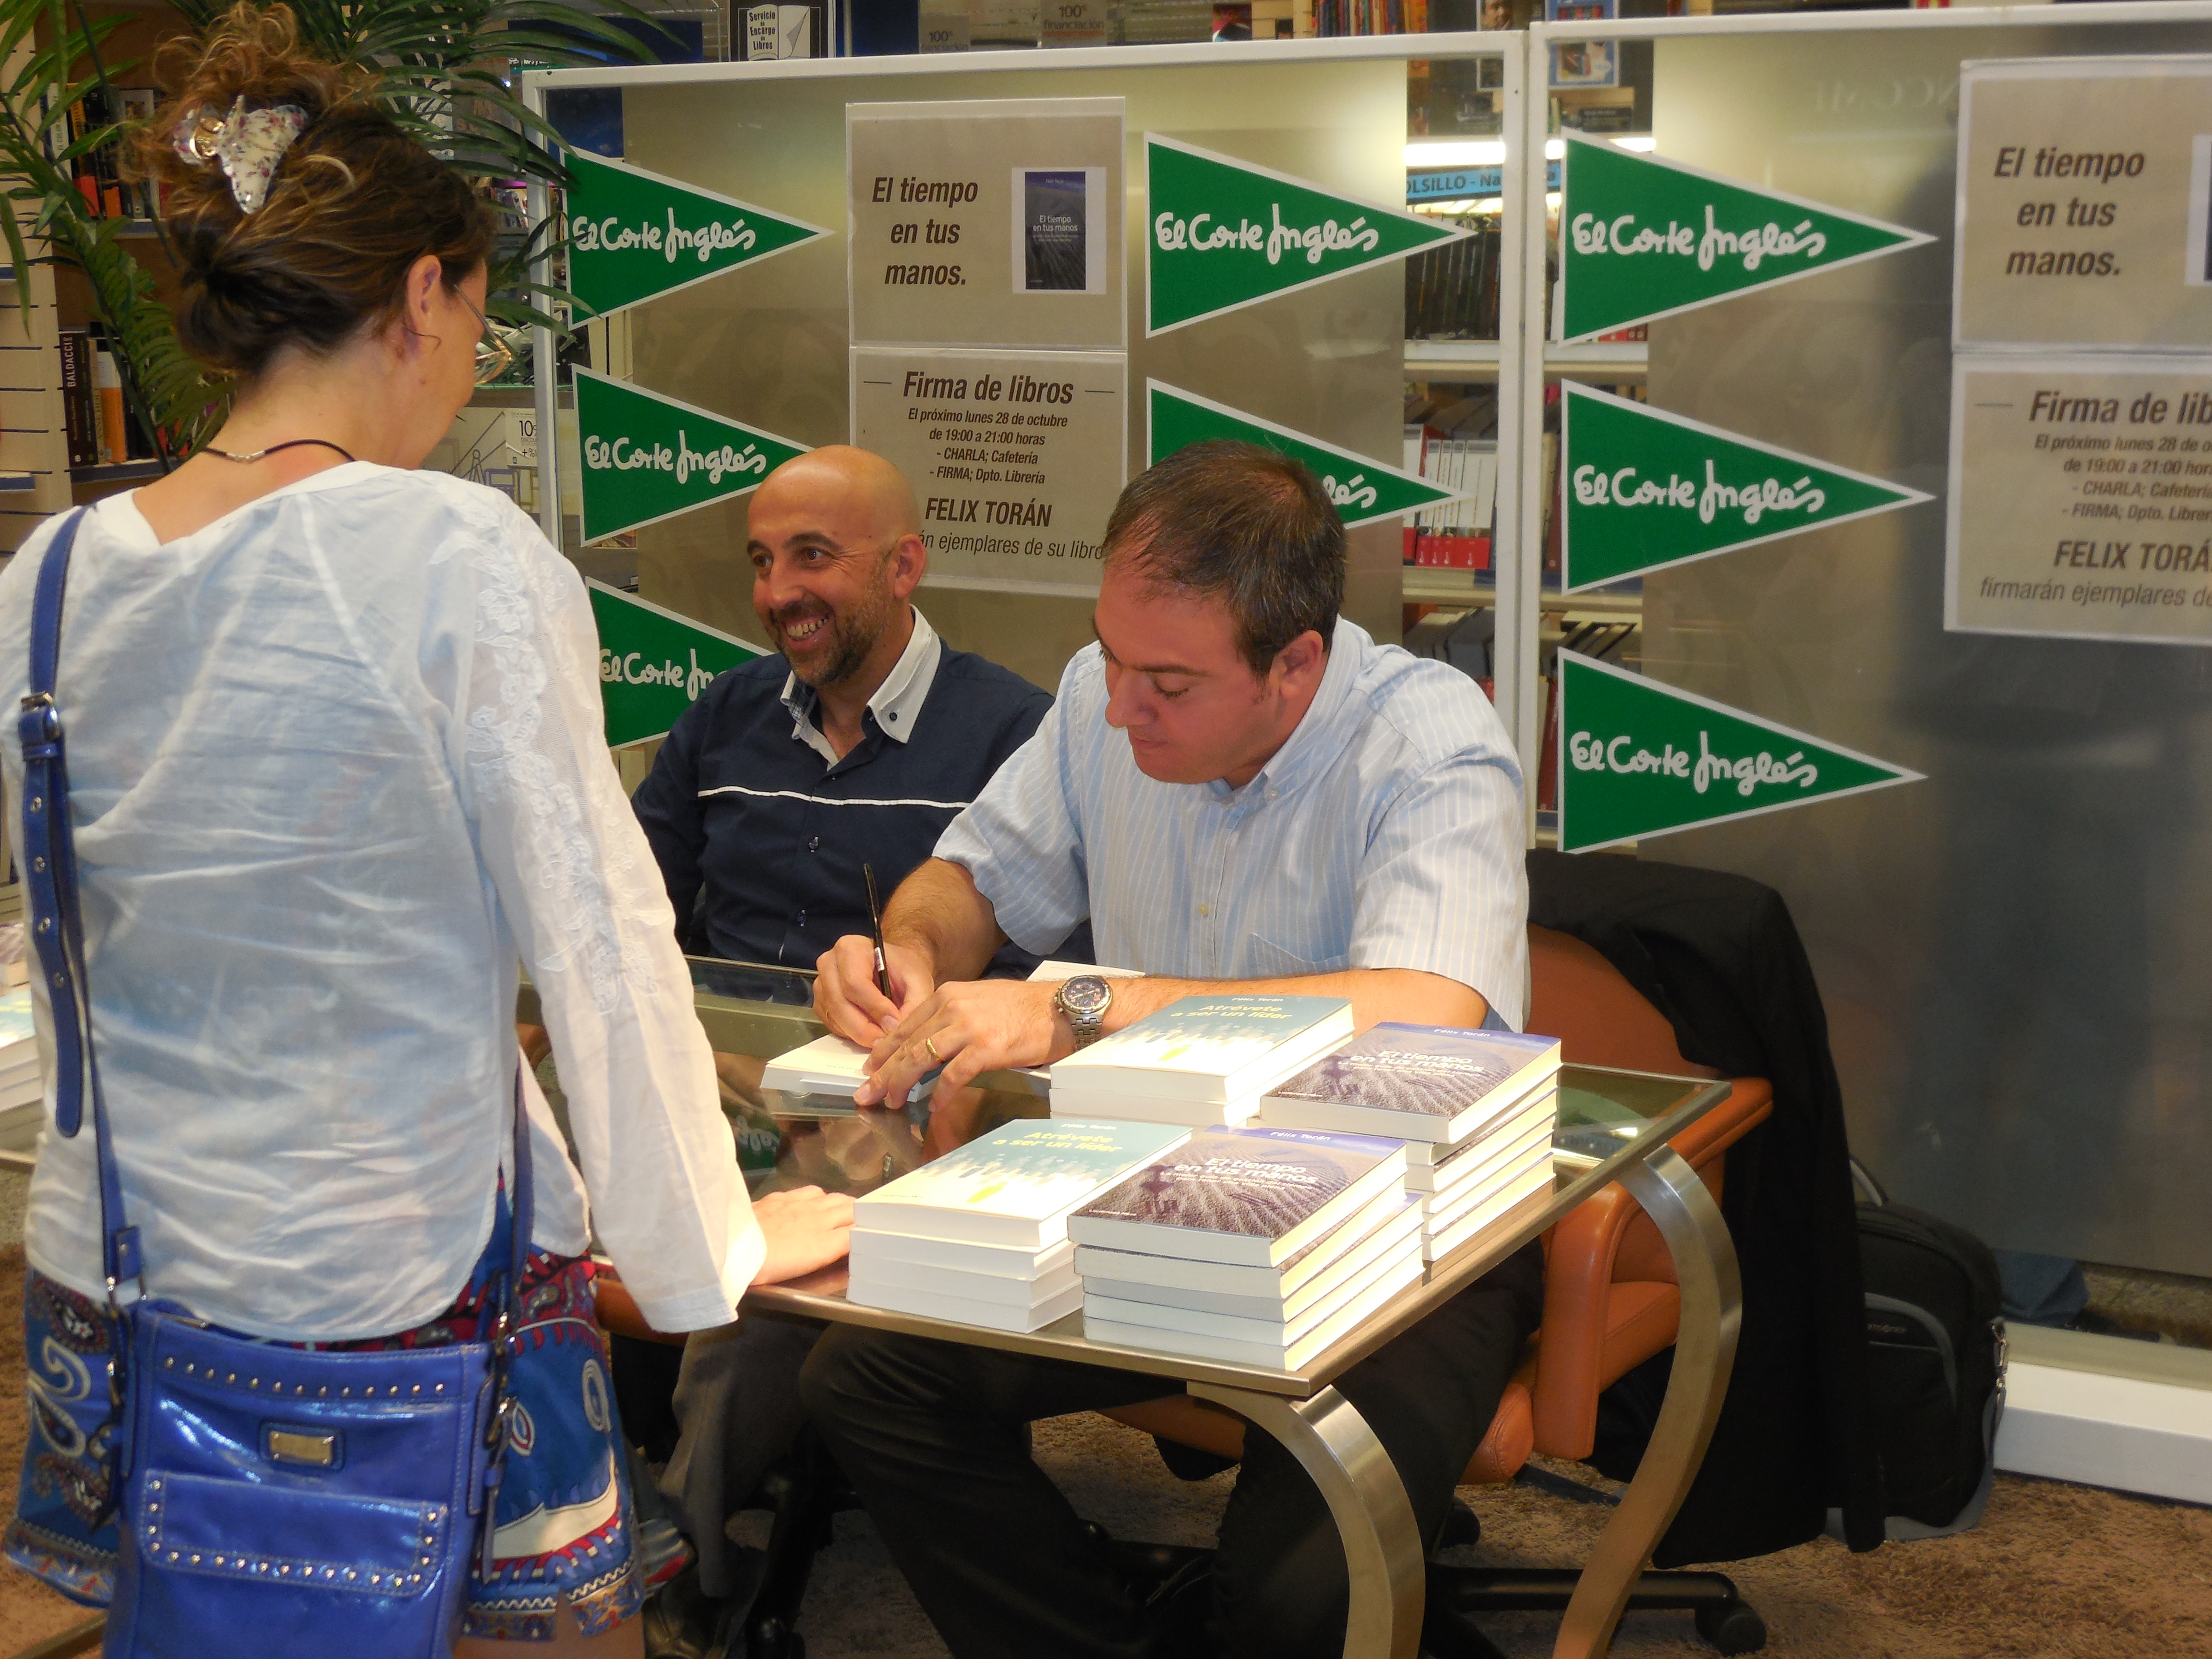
(1736,1628)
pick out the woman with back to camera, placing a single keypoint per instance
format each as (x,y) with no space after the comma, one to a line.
(337,760)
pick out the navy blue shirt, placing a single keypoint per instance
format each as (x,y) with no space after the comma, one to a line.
(761,837)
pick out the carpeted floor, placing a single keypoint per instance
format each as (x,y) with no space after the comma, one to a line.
(2054,1572)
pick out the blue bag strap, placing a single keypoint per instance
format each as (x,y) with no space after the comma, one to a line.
(49,873)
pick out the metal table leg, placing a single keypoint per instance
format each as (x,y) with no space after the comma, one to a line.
(1704,1352)
(1381,1545)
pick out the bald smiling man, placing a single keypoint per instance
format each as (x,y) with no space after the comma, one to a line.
(857,745)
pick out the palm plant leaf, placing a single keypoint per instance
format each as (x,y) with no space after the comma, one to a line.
(435,66)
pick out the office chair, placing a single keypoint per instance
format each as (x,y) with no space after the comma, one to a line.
(1610,1303)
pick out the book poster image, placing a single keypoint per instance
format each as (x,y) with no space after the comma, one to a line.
(1583,63)
(2080,498)
(2084,209)
(992,222)
(1060,247)
(1017,456)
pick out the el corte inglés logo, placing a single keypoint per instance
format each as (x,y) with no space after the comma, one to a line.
(672,240)
(626,454)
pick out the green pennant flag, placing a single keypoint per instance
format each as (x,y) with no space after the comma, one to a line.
(1641,238)
(1643,490)
(648,458)
(1637,758)
(654,664)
(1364,490)
(636,235)
(1224,233)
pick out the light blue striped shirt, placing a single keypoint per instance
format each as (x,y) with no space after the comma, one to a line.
(1386,833)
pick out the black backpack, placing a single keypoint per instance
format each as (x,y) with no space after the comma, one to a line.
(1935,1366)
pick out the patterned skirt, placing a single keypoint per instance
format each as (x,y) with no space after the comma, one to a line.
(564,1522)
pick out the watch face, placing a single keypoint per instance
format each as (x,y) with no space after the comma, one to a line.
(1084,997)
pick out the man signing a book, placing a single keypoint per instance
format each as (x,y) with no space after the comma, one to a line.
(1242,792)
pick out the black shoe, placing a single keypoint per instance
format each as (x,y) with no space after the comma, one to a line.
(682,1621)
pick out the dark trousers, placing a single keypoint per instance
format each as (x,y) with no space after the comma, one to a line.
(737,1406)
(933,1436)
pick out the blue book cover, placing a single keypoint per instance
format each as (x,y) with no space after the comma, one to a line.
(1021,1177)
(1258,1192)
(1428,1071)
(15,1025)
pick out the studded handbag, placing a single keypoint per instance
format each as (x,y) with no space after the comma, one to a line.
(283,1501)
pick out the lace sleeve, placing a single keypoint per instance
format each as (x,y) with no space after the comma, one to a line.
(592,920)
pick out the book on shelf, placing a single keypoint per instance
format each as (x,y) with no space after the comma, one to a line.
(107,386)
(1267,1292)
(80,400)
(1429,1083)
(1538,1178)
(1251,1196)
(1014,1185)
(1285,1355)
(1207,1050)
(831,1065)
(1537,1118)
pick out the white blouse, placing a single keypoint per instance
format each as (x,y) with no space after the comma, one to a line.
(335,760)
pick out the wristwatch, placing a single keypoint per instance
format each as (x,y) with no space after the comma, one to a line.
(1084,999)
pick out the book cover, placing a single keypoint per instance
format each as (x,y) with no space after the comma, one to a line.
(1424,1082)
(831,1065)
(16,1024)
(1182,1272)
(80,402)
(1016,1184)
(1255,1197)
(1055,221)
(1210,1047)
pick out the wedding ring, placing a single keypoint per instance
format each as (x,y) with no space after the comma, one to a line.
(930,1043)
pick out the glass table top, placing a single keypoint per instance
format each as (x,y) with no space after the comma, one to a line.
(1608,1119)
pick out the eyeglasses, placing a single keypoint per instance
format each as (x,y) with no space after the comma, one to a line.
(494,356)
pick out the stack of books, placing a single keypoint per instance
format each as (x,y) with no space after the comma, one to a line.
(1260,1247)
(1201,1061)
(1476,1110)
(22,1092)
(980,1236)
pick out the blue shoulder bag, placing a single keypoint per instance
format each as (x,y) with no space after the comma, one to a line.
(294,1502)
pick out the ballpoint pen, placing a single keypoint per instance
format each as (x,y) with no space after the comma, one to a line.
(875,929)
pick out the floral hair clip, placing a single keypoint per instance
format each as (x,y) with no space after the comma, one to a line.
(248,142)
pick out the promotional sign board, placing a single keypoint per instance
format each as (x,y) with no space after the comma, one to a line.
(2084,203)
(994,222)
(647,458)
(1363,490)
(654,664)
(1643,490)
(1016,457)
(634,235)
(1641,237)
(2080,499)
(1637,758)
(1223,233)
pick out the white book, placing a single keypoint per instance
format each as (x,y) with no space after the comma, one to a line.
(1049,972)
(1311,1346)
(990,1315)
(1016,1185)
(1439,1084)
(1540,1116)
(992,1261)
(1437,1246)
(1446,1212)
(1282,1331)
(1140,1108)
(1542,1097)
(1214,1049)
(1278,1305)
(1255,1196)
(905,1278)
(1510,1156)
(1182,1273)
(831,1065)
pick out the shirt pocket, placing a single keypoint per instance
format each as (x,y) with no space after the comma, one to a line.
(1265,959)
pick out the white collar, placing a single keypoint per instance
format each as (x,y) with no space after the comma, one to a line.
(897,702)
